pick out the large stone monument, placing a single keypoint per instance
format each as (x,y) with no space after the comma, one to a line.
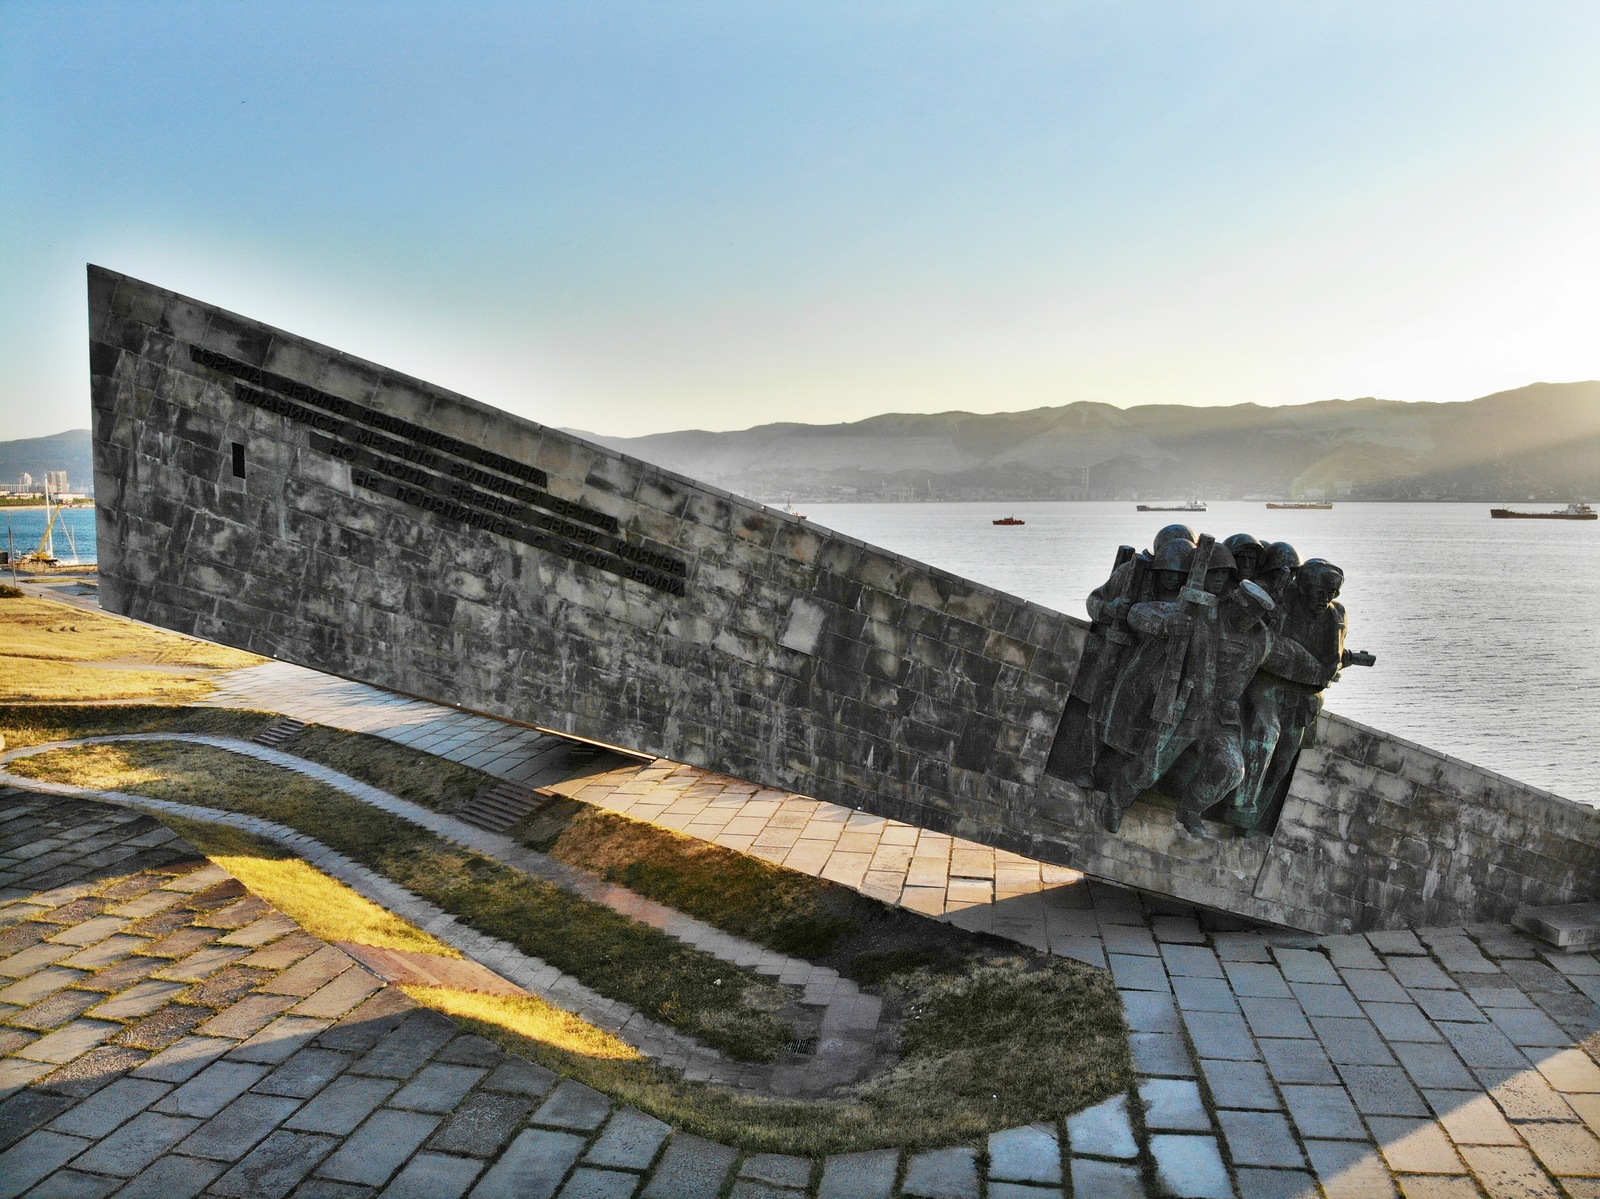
(261,490)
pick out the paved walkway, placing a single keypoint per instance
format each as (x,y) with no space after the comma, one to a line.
(1441,1062)
(1430,1062)
(849,1018)
(513,752)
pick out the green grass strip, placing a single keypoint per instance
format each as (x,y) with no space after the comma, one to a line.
(721,1005)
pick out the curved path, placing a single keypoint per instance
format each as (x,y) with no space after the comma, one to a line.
(1440,1062)
(849,1016)
(163,1032)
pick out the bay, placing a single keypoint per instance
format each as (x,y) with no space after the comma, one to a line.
(1487,631)
(21,528)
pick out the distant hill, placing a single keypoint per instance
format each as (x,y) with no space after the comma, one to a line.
(1541,441)
(69,451)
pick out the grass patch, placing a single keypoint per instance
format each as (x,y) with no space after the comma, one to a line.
(35,724)
(434,783)
(784,910)
(943,1091)
(990,1039)
(722,1005)
(321,905)
(51,651)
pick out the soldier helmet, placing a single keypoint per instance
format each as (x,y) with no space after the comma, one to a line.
(1176,555)
(1172,533)
(1244,541)
(1280,555)
(1314,567)
(1222,558)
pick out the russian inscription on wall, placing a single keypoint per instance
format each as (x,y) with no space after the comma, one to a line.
(441,474)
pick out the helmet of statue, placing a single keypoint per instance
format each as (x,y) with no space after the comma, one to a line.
(1169,534)
(1244,541)
(1222,558)
(1280,555)
(1174,555)
(1316,568)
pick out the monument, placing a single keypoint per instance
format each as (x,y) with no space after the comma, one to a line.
(267,492)
(1196,677)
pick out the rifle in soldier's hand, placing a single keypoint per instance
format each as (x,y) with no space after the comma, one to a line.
(1193,598)
(1357,657)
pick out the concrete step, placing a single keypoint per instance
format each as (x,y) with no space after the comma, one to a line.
(275,736)
(501,805)
(1570,926)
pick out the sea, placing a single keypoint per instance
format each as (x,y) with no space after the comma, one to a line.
(74,537)
(1487,632)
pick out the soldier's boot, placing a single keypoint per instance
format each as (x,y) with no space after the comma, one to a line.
(1111,814)
(1189,820)
(1243,814)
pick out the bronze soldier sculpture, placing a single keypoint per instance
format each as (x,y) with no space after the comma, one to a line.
(1181,692)
(1201,673)
(1076,749)
(1284,699)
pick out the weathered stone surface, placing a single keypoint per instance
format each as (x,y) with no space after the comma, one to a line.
(867,1175)
(1030,1154)
(636,607)
(942,1174)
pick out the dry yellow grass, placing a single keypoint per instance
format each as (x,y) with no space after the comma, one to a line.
(530,1018)
(321,905)
(51,651)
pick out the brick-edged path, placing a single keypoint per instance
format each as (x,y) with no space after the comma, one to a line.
(849,1018)
(1435,1061)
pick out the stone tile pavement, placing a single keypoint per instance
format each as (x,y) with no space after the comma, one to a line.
(166,1033)
(513,752)
(848,1017)
(1426,1062)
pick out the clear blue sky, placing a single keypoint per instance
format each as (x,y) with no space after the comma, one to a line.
(636,217)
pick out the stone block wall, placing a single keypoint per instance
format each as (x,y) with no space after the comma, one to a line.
(267,492)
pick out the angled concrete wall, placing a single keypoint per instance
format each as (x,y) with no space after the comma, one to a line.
(267,492)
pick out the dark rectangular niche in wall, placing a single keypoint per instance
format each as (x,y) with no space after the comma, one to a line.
(238,460)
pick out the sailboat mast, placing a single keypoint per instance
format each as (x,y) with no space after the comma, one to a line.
(47,545)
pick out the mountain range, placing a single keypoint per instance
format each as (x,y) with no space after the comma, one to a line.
(69,451)
(1536,442)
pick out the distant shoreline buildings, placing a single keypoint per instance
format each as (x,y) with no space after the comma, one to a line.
(55,484)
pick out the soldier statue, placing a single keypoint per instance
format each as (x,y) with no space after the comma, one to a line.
(1201,673)
(1284,700)
(1076,750)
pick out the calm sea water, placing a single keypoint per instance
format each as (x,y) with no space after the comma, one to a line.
(1487,631)
(26,525)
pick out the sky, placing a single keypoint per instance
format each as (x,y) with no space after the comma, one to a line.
(630,218)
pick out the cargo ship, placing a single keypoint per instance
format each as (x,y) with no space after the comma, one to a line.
(1307,505)
(1191,506)
(1008,520)
(1570,512)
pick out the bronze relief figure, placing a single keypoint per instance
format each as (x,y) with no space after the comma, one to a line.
(1202,677)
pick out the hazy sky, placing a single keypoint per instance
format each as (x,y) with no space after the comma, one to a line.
(636,217)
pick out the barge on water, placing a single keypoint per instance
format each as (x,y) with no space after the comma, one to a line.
(1570,512)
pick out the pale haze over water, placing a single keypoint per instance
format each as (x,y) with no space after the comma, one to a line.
(1487,631)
